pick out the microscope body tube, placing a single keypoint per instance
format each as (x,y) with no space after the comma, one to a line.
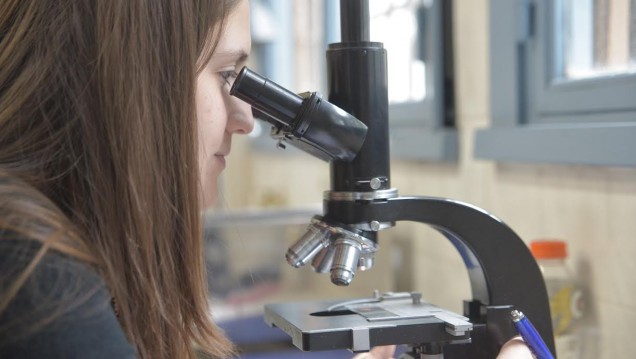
(357,83)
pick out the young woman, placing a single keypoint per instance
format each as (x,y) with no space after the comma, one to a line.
(115,120)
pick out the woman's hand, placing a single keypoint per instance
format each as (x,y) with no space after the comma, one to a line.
(515,348)
(383,352)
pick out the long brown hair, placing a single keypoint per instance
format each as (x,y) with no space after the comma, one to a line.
(98,153)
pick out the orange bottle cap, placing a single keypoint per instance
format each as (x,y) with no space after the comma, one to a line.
(548,249)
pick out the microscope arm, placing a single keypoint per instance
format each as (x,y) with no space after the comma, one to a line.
(502,272)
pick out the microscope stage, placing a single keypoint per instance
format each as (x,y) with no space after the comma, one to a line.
(358,325)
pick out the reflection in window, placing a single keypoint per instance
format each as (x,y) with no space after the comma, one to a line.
(395,23)
(594,38)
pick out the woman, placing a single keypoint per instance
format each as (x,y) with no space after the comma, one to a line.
(107,110)
(115,120)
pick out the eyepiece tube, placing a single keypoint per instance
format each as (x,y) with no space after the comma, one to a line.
(266,96)
(306,121)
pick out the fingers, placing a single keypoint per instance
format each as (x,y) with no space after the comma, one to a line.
(383,352)
(515,348)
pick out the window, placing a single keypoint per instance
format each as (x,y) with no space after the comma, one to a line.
(594,39)
(417,36)
(397,24)
(563,82)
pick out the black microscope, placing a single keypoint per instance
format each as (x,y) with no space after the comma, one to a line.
(350,130)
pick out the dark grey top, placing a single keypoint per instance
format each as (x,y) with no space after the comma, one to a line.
(62,311)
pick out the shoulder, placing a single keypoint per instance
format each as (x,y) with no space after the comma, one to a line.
(61,310)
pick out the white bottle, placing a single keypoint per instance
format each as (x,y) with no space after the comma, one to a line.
(565,298)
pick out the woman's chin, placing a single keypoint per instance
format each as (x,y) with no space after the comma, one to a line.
(209,195)
(209,201)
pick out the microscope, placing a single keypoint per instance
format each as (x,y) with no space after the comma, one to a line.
(350,130)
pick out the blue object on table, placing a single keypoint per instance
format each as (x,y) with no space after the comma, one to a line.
(530,335)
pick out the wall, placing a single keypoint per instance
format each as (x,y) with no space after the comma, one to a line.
(593,208)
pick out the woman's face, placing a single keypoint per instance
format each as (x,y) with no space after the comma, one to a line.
(220,115)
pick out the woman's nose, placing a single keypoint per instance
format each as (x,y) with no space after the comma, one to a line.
(240,119)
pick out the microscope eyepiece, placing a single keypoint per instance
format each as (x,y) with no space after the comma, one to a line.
(306,121)
(267,96)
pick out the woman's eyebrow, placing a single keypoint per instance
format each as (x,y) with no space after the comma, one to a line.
(239,55)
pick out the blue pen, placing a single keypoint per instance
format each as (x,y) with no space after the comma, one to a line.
(531,336)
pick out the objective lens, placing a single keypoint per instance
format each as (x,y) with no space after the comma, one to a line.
(322,262)
(366,261)
(307,246)
(345,261)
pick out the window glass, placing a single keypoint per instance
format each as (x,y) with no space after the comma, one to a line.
(594,38)
(395,23)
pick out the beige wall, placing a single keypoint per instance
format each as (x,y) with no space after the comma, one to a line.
(592,208)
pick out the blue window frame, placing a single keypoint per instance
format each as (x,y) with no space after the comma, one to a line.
(563,82)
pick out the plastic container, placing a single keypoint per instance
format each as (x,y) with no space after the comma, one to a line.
(565,298)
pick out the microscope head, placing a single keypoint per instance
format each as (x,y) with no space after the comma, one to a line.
(323,130)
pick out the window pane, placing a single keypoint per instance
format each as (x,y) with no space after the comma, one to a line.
(395,23)
(594,38)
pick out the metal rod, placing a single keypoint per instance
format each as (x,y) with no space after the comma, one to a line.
(354,20)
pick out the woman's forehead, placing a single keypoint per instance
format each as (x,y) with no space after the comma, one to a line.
(237,28)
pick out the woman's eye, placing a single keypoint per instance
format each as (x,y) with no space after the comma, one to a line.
(228,77)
